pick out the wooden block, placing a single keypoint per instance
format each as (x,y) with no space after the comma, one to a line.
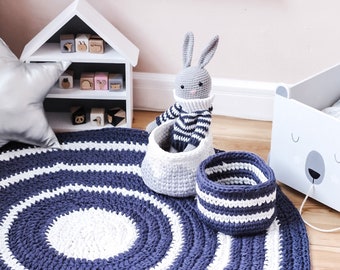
(78,115)
(67,43)
(97,116)
(116,116)
(96,44)
(82,42)
(101,80)
(66,80)
(115,82)
(87,81)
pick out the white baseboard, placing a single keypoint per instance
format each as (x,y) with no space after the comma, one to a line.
(236,98)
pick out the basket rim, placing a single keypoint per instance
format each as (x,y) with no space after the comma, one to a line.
(180,155)
(233,157)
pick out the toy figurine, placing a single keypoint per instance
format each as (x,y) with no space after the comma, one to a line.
(193,106)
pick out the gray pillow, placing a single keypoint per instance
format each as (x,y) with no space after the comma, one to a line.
(23,88)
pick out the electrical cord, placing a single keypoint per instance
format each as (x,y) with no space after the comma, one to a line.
(306,222)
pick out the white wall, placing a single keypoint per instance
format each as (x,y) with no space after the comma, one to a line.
(262,43)
(261,40)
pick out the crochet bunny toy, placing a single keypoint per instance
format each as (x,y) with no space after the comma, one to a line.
(193,106)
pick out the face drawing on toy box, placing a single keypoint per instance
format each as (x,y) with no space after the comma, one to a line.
(305,150)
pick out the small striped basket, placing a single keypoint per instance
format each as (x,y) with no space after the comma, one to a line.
(236,193)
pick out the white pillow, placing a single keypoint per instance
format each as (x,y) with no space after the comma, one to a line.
(23,88)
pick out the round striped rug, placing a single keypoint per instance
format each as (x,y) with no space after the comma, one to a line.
(86,207)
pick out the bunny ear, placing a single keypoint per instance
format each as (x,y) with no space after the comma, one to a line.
(208,52)
(188,48)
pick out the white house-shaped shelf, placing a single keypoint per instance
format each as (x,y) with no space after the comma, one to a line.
(120,55)
(81,17)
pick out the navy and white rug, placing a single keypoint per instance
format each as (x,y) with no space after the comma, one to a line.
(86,207)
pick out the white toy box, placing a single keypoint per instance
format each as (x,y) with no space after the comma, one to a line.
(305,147)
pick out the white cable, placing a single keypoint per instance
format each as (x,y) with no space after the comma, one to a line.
(307,223)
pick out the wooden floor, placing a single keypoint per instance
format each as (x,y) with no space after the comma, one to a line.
(254,136)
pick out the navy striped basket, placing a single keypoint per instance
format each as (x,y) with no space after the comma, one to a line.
(236,193)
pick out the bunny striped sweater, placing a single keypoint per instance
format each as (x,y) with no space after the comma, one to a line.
(193,118)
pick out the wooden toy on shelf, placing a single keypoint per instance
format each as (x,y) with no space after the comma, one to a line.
(82,42)
(78,114)
(96,44)
(97,116)
(101,80)
(116,116)
(87,81)
(67,43)
(115,82)
(66,80)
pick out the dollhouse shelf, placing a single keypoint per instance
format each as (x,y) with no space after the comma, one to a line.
(119,57)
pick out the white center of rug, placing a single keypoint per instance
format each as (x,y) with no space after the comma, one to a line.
(92,234)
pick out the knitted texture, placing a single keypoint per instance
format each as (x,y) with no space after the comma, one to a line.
(85,206)
(172,174)
(190,79)
(193,119)
(194,82)
(236,193)
(193,101)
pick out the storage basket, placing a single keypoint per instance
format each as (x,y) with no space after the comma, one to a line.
(236,193)
(172,174)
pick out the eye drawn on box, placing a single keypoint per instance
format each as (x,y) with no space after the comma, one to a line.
(282,91)
(294,137)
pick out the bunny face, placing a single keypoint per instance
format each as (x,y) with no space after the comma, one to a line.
(193,83)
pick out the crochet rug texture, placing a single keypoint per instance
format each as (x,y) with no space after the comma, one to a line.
(86,207)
